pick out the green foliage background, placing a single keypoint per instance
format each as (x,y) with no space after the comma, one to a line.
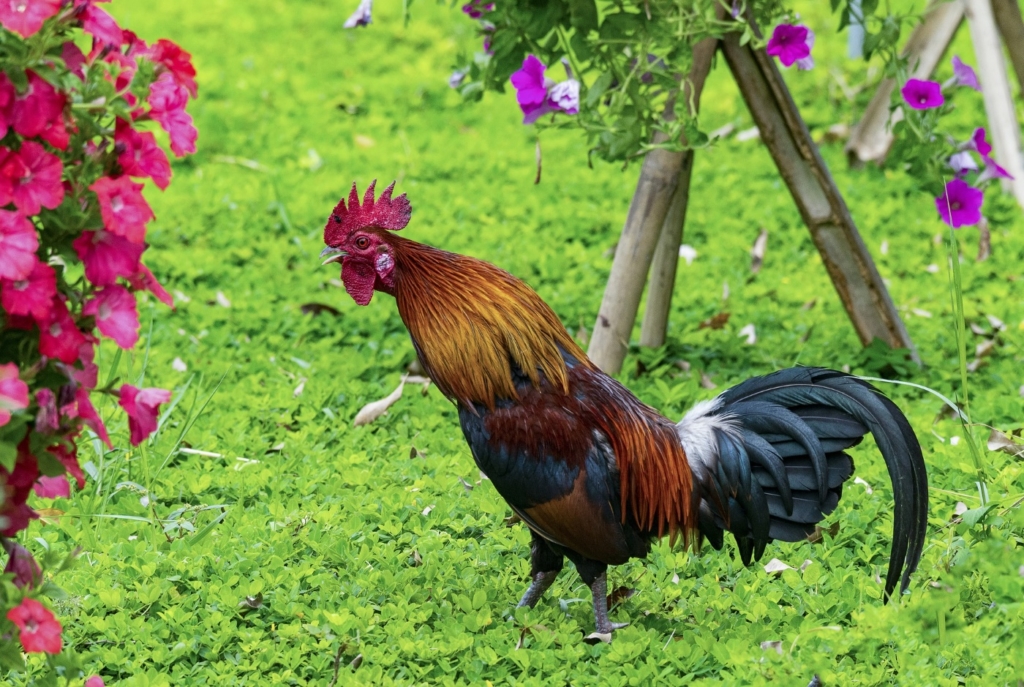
(350,547)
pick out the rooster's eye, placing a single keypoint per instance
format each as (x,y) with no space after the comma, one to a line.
(362,242)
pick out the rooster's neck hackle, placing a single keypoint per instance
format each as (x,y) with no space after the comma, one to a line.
(470,320)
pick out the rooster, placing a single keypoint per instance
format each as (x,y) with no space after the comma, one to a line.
(594,473)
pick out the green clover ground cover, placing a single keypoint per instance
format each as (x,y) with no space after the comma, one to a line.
(282,541)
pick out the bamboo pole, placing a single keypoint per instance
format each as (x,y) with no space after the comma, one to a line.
(872,137)
(659,178)
(782,130)
(1011,26)
(666,254)
(995,87)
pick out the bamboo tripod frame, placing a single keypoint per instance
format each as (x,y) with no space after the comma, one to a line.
(654,226)
(988,20)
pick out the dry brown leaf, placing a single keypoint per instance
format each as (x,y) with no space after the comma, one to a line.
(997,441)
(512,519)
(372,411)
(416,558)
(867,487)
(705,381)
(758,250)
(984,348)
(619,594)
(595,637)
(809,304)
(49,516)
(683,365)
(716,322)
(807,562)
(818,535)
(775,646)
(997,324)
(978,330)
(466,485)
(318,309)
(426,511)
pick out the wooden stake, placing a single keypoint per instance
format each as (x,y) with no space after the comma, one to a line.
(995,87)
(849,264)
(666,259)
(1011,26)
(659,178)
(872,137)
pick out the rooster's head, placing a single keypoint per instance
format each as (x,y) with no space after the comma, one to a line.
(357,236)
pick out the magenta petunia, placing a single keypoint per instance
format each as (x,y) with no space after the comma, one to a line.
(31,178)
(95,681)
(13,392)
(38,629)
(807,63)
(477,8)
(7,95)
(167,100)
(922,95)
(35,109)
(993,170)
(125,211)
(59,338)
(107,256)
(116,315)
(142,407)
(790,42)
(964,75)
(177,62)
(532,89)
(84,409)
(101,26)
(74,59)
(26,17)
(47,418)
(18,245)
(52,487)
(32,296)
(141,156)
(69,459)
(22,565)
(979,143)
(960,205)
(143,280)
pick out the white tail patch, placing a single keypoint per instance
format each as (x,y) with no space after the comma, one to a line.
(697,433)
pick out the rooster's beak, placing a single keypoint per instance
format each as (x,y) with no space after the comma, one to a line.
(332,254)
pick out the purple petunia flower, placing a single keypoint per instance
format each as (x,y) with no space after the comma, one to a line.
(960,204)
(476,8)
(532,89)
(963,74)
(790,43)
(565,96)
(807,63)
(362,16)
(922,95)
(979,143)
(962,163)
(992,171)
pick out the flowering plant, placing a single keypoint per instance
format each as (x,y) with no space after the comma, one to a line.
(78,97)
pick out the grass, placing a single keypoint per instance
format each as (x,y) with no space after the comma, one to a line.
(261,539)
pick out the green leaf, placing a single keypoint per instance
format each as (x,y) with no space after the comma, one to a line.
(583,15)
(598,89)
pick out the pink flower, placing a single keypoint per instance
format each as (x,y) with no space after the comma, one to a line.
(13,392)
(125,212)
(141,156)
(74,59)
(30,296)
(95,681)
(31,178)
(992,171)
(47,419)
(964,75)
(922,95)
(960,205)
(116,317)
(142,406)
(21,563)
(37,107)
(39,629)
(69,459)
(532,89)
(107,256)
(7,95)
(87,412)
(176,61)
(101,25)
(167,101)
(58,336)
(26,16)
(143,280)
(56,134)
(52,487)
(18,245)
(790,43)
(979,143)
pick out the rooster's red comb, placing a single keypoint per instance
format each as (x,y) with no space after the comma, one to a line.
(385,212)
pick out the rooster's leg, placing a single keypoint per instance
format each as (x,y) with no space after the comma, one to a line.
(599,588)
(544,567)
